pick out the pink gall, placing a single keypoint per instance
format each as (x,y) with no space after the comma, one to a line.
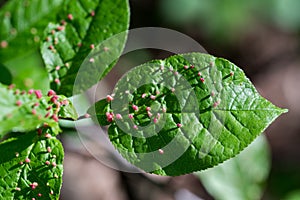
(38,94)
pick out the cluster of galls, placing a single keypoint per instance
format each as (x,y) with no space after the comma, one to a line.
(43,107)
(110,116)
(56,105)
(27,162)
(53,39)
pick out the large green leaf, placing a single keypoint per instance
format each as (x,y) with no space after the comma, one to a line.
(31,167)
(76,42)
(184,114)
(22,24)
(23,111)
(242,177)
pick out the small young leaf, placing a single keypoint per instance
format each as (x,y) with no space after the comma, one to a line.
(22,22)
(31,167)
(23,111)
(74,43)
(67,110)
(242,177)
(184,114)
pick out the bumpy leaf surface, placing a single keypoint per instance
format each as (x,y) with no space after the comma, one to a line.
(75,42)
(22,24)
(31,167)
(184,114)
(23,111)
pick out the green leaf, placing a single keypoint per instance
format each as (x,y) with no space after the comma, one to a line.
(23,111)
(84,34)
(241,177)
(194,112)
(22,24)
(28,72)
(31,167)
(101,108)
(5,75)
(293,195)
(67,110)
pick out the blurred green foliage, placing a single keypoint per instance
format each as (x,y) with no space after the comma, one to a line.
(228,19)
(242,177)
(28,72)
(295,195)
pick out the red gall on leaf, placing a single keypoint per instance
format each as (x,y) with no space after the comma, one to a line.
(11,86)
(47,114)
(51,93)
(57,81)
(135,107)
(39,131)
(4,44)
(161,151)
(55,118)
(70,16)
(109,117)
(92,13)
(38,94)
(19,103)
(109,98)
(118,116)
(33,185)
(31,91)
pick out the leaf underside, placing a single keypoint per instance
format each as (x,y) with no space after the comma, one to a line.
(203,111)
(79,40)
